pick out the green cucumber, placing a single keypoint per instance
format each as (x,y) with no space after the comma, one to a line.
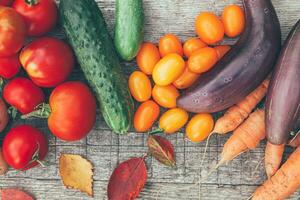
(129,27)
(87,32)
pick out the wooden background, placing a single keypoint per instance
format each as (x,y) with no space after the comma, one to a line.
(105,150)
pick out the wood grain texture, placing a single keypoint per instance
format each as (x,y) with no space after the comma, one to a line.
(105,149)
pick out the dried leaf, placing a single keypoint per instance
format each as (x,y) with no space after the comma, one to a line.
(14,194)
(76,173)
(162,150)
(127,180)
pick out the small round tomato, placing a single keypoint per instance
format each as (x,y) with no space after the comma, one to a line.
(186,79)
(23,94)
(233,18)
(202,60)
(4,117)
(222,50)
(48,61)
(170,43)
(147,57)
(24,147)
(140,86)
(199,127)
(12,32)
(145,116)
(168,69)
(192,45)
(165,96)
(5,2)
(73,111)
(9,66)
(173,120)
(40,15)
(209,28)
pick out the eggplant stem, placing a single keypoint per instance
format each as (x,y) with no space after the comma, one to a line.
(43,110)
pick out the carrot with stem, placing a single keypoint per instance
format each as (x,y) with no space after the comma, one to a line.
(273,158)
(284,183)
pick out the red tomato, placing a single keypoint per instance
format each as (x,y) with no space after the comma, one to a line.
(5,2)
(48,61)
(73,111)
(12,31)
(23,94)
(40,15)
(9,66)
(23,146)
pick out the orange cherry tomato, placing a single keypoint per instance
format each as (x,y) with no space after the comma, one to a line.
(233,18)
(170,44)
(145,116)
(147,57)
(165,96)
(186,79)
(168,69)
(202,60)
(199,127)
(140,86)
(192,45)
(173,120)
(209,28)
(222,50)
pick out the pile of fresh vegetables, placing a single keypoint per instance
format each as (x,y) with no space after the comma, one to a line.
(224,85)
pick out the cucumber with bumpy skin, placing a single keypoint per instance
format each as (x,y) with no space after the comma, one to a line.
(87,32)
(129,28)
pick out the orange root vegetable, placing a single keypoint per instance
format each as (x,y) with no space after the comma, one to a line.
(235,115)
(246,136)
(284,183)
(273,158)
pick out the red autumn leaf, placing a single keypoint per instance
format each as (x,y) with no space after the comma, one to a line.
(14,194)
(162,150)
(127,180)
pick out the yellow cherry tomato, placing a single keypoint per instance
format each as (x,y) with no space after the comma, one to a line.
(209,28)
(233,18)
(145,116)
(186,79)
(165,96)
(202,60)
(140,86)
(170,43)
(168,69)
(222,50)
(199,127)
(173,120)
(192,45)
(147,57)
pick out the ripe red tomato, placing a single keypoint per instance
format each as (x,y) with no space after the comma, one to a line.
(23,94)
(40,15)
(12,31)
(23,146)
(73,111)
(5,2)
(9,66)
(48,61)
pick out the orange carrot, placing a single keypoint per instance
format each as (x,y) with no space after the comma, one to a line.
(284,183)
(273,157)
(235,115)
(246,136)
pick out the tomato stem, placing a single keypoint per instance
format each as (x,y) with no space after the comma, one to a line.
(31,2)
(41,111)
(155,131)
(13,112)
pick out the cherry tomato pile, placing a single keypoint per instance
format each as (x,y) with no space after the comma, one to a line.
(174,66)
(47,63)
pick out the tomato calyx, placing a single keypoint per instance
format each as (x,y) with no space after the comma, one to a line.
(43,110)
(12,112)
(31,2)
(156,131)
(35,158)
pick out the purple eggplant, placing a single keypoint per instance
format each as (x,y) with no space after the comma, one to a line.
(283,97)
(243,68)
